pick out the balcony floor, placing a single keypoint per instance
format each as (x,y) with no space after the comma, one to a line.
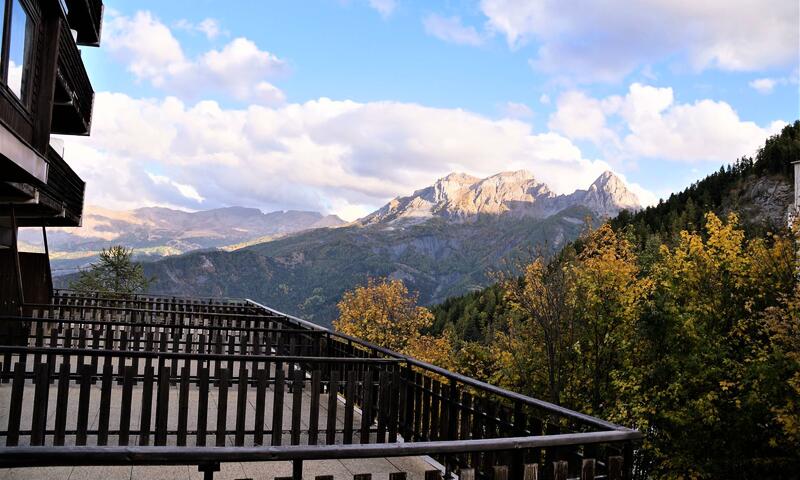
(340,469)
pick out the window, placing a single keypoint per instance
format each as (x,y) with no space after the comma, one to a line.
(19,47)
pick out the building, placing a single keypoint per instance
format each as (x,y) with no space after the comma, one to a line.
(44,90)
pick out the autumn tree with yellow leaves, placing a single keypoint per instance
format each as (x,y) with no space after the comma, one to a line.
(383,312)
(702,376)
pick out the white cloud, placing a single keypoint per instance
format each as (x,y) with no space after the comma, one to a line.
(152,53)
(384,7)
(145,44)
(334,156)
(517,110)
(451,30)
(604,40)
(209,27)
(648,123)
(187,191)
(581,117)
(763,85)
(544,99)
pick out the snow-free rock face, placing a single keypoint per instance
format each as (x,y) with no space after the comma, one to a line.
(607,196)
(462,197)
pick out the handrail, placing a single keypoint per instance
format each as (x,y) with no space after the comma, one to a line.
(168,455)
(303,331)
(157,295)
(534,402)
(144,310)
(91,352)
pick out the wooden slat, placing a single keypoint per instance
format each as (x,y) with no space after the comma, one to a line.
(587,469)
(615,467)
(433,475)
(394,404)
(313,413)
(261,397)
(86,372)
(125,406)
(222,405)
(241,404)
(147,406)
(349,405)
(466,474)
(531,471)
(183,404)
(162,406)
(15,404)
(277,404)
(40,398)
(465,429)
(383,405)
(105,402)
(202,407)
(362,476)
(416,427)
(366,407)
(297,405)
(398,476)
(425,427)
(62,402)
(560,470)
(333,403)
(435,403)
(500,472)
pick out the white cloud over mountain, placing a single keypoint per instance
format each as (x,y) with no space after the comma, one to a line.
(238,70)
(648,123)
(604,40)
(338,156)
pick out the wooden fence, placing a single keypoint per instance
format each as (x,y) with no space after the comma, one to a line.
(176,381)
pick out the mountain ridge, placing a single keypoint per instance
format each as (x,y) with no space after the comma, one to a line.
(461,197)
(155,232)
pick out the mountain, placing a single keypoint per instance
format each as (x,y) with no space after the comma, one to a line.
(758,189)
(442,240)
(154,232)
(460,197)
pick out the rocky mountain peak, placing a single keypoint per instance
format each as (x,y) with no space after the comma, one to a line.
(608,195)
(462,197)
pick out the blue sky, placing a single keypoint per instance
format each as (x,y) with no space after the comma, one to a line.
(338,105)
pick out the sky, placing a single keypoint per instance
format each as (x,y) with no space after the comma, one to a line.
(340,105)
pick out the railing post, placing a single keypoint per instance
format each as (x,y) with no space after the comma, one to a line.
(297,470)
(208,470)
(628,461)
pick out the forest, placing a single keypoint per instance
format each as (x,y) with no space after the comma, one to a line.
(681,320)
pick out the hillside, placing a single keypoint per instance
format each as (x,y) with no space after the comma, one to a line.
(306,274)
(442,240)
(759,189)
(155,232)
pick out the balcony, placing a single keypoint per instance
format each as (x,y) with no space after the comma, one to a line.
(86,18)
(142,381)
(57,203)
(74,97)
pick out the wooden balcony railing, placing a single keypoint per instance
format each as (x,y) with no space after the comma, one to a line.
(162,357)
(86,18)
(74,96)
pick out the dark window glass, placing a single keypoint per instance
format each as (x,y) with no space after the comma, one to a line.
(19,47)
